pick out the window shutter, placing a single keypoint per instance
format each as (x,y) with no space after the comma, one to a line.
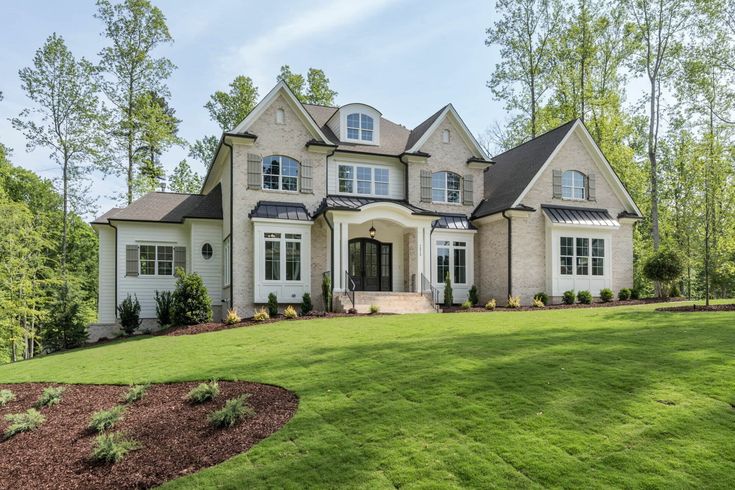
(467,191)
(179,258)
(557,184)
(131,260)
(307,186)
(425,186)
(591,191)
(255,169)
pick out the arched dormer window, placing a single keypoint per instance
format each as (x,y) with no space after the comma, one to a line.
(573,185)
(360,127)
(445,187)
(280,173)
(445,136)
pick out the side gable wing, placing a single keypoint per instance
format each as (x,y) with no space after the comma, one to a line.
(465,133)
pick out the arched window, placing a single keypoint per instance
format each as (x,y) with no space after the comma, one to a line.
(280,173)
(445,136)
(573,185)
(359,127)
(445,187)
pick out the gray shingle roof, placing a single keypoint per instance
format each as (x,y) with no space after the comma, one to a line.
(454,222)
(347,203)
(569,215)
(280,210)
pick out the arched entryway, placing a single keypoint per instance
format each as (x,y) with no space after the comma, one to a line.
(371,264)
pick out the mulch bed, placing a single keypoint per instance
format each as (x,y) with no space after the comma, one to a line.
(175,436)
(597,304)
(697,308)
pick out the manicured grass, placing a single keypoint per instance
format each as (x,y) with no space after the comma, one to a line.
(588,398)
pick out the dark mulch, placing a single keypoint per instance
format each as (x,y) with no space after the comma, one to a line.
(175,436)
(698,308)
(596,304)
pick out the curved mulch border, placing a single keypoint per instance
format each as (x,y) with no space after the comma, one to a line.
(697,308)
(175,436)
(598,304)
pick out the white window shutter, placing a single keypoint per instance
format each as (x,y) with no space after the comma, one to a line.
(307,185)
(255,170)
(425,186)
(131,260)
(468,198)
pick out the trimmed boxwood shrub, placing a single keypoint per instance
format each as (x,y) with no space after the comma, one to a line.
(624,294)
(584,297)
(191,301)
(568,297)
(543,297)
(606,295)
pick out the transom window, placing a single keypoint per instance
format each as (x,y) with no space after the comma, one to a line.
(445,187)
(451,258)
(576,256)
(363,180)
(359,127)
(573,185)
(280,173)
(282,253)
(156,260)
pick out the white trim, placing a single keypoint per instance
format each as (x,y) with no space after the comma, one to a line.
(466,134)
(558,283)
(281,221)
(460,292)
(286,291)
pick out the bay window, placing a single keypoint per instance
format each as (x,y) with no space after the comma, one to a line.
(451,258)
(577,257)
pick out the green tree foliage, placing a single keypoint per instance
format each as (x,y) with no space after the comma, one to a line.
(663,266)
(184,179)
(191,301)
(314,89)
(66,325)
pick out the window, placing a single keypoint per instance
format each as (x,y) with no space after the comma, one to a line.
(445,187)
(572,185)
(577,257)
(460,262)
(165,261)
(207,251)
(156,260)
(567,255)
(280,116)
(272,256)
(280,173)
(381,181)
(442,260)
(346,176)
(147,260)
(451,258)
(445,136)
(293,257)
(363,180)
(359,127)
(275,261)
(226,261)
(583,252)
(598,257)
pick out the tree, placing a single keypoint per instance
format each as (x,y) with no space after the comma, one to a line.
(295,81)
(184,179)
(204,149)
(134,29)
(312,90)
(67,110)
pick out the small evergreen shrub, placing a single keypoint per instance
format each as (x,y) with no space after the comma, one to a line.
(164,307)
(473,295)
(134,393)
(23,422)
(584,297)
(635,293)
(448,296)
(103,420)
(491,304)
(129,313)
(235,409)
(232,317)
(272,304)
(568,297)
(327,292)
(306,305)
(112,448)
(514,301)
(6,396)
(374,309)
(290,312)
(537,303)
(261,315)
(624,294)
(49,397)
(204,392)
(674,291)
(606,295)
(191,301)
(467,305)
(543,297)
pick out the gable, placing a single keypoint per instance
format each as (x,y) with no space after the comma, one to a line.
(448,112)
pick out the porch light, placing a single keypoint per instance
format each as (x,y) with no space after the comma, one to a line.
(372,230)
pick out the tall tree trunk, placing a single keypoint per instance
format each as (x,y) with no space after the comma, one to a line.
(652,143)
(65,229)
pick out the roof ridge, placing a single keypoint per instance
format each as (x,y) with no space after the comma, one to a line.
(537,137)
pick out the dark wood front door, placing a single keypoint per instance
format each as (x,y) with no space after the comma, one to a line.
(370,264)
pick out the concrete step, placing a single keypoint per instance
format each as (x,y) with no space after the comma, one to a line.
(387,301)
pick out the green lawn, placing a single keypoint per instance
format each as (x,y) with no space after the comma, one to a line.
(565,398)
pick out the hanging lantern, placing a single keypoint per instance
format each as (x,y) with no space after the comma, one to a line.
(372,230)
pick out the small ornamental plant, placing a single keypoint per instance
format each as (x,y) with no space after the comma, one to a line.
(272,304)
(234,411)
(624,294)
(129,314)
(537,303)
(191,301)
(135,393)
(203,393)
(327,292)
(103,420)
(635,293)
(606,295)
(6,396)
(306,304)
(568,297)
(514,301)
(290,313)
(232,317)
(467,305)
(112,448)
(374,309)
(473,295)
(543,297)
(584,297)
(26,421)
(164,307)
(49,397)
(261,315)
(448,296)
(491,304)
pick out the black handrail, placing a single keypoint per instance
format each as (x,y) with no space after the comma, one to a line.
(426,286)
(350,288)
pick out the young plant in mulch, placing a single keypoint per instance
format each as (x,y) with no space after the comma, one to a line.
(624,294)
(104,420)
(514,301)
(306,305)
(584,297)
(135,393)
(112,448)
(467,305)
(232,317)
(49,397)
(491,304)
(290,313)
(203,393)
(568,297)
(6,396)
(606,295)
(537,303)
(543,297)
(272,304)
(23,422)
(374,309)
(261,315)
(234,411)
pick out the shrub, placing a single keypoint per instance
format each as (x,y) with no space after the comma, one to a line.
(235,409)
(624,294)
(105,419)
(49,397)
(537,303)
(272,304)
(448,297)
(543,297)
(374,309)
(66,326)
(568,297)
(164,307)
(584,297)
(6,396)
(134,393)
(204,392)
(112,448)
(23,422)
(514,301)
(290,312)
(467,305)
(635,293)
(473,295)
(674,291)
(327,291)
(606,295)
(129,313)
(306,305)
(491,304)
(663,266)
(232,317)
(192,303)
(261,315)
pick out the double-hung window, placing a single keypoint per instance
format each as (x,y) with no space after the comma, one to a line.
(582,256)
(598,257)
(451,258)
(280,173)
(363,180)
(282,253)
(156,260)
(445,187)
(573,185)
(359,127)
(381,181)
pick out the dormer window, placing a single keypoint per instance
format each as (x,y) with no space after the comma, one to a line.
(445,136)
(359,127)
(573,185)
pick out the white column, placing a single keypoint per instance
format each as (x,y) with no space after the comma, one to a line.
(337,251)
(344,250)
(420,252)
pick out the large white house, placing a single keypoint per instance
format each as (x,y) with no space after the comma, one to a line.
(297,191)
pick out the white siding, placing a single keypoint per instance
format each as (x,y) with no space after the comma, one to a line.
(396,178)
(207,231)
(106,304)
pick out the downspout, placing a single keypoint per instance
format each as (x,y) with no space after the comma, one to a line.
(510,254)
(331,227)
(116,271)
(232,245)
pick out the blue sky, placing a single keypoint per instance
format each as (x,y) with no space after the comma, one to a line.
(405,57)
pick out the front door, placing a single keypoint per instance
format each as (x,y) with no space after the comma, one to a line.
(370,264)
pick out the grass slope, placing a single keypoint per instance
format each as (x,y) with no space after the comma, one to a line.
(586,398)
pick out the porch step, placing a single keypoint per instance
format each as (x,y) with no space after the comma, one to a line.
(387,301)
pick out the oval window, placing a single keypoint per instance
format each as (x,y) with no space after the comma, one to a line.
(207,251)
